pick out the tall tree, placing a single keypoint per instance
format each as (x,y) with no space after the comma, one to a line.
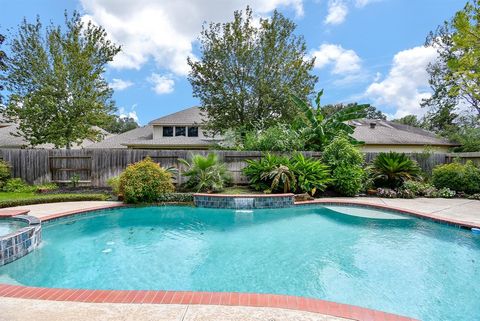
(245,72)
(455,75)
(371,112)
(118,125)
(56,84)
(3,67)
(410,120)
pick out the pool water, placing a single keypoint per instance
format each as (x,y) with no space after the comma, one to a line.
(8,226)
(377,260)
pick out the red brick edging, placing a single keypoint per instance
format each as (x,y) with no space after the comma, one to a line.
(205,298)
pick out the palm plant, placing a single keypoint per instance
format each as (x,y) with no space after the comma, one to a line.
(392,169)
(281,175)
(206,173)
(257,170)
(319,128)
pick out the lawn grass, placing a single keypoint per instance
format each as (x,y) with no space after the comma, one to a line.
(8,199)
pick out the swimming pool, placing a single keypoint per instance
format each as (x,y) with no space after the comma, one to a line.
(344,254)
(8,226)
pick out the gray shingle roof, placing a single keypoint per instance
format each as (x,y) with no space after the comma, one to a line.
(141,133)
(187,116)
(390,133)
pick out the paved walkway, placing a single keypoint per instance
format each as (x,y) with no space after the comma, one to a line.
(38,310)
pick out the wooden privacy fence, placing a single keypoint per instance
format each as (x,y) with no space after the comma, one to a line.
(95,166)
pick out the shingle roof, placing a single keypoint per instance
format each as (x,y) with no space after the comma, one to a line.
(390,133)
(7,140)
(141,133)
(187,116)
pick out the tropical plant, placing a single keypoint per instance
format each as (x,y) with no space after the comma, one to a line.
(280,138)
(319,128)
(392,169)
(144,182)
(256,169)
(281,176)
(346,162)
(311,174)
(206,173)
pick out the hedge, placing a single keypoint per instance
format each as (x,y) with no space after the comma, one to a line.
(53,198)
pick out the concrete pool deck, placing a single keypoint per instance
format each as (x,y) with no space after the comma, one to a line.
(52,304)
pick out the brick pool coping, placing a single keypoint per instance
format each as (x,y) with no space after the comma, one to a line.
(217,298)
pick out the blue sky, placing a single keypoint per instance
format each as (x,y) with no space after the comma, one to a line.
(369,51)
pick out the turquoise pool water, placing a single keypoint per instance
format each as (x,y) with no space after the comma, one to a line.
(377,260)
(8,226)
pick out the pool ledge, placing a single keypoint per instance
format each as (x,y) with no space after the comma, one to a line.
(200,298)
(422,215)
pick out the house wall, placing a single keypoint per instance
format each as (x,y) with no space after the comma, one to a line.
(402,148)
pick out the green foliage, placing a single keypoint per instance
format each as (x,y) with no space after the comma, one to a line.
(281,176)
(410,120)
(392,169)
(175,198)
(2,64)
(309,175)
(117,125)
(46,187)
(318,128)
(416,187)
(5,172)
(206,173)
(74,180)
(246,69)
(114,183)
(386,192)
(280,138)
(346,162)
(457,177)
(52,198)
(145,182)
(55,78)
(468,138)
(17,185)
(371,111)
(348,180)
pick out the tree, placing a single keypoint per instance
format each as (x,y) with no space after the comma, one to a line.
(318,128)
(371,111)
(2,64)
(410,120)
(55,77)
(455,75)
(117,125)
(245,72)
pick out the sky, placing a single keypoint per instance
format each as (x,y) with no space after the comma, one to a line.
(367,51)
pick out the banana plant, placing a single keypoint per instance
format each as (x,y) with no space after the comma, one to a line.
(320,129)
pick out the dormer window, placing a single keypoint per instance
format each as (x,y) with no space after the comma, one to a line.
(167,131)
(180,131)
(192,131)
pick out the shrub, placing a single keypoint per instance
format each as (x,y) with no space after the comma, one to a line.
(46,187)
(255,170)
(206,173)
(175,198)
(348,180)
(405,193)
(457,177)
(417,188)
(53,198)
(145,181)
(445,193)
(282,178)
(279,138)
(311,174)
(386,192)
(114,183)
(5,172)
(17,185)
(475,196)
(345,161)
(392,169)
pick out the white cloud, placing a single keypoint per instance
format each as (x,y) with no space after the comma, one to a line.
(406,83)
(363,3)
(132,113)
(337,12)
(164,30)
(344,61)
(120,84)
(161,84)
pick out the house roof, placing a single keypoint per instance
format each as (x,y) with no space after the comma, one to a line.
(7,140)
(390,133)
(187,116)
